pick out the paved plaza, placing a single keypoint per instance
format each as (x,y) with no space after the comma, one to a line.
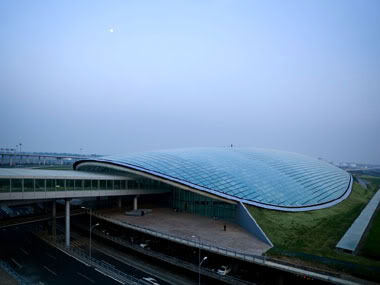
(186,225)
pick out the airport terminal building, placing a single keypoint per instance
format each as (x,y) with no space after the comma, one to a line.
(208,177)
(213,182)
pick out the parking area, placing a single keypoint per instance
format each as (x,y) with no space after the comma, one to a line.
(186,225)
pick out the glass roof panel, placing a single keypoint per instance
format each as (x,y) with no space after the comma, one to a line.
(254,175)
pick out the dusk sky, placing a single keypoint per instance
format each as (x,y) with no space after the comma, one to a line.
(115,77)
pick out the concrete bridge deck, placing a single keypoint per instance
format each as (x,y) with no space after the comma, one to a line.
(185,225)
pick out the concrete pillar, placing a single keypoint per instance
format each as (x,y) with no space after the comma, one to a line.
(54,222)
(44,160)
(67,217)
(135,203)
(10,160)
(119,202)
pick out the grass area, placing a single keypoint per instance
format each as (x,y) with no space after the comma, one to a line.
(312,231)
(371,246)
(315,232)
(373,180)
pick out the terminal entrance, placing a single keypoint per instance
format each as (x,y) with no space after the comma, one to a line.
(190,202)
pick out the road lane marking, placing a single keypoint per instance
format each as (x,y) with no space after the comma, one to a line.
(84,276)
(18,264)
(51,271)
(24,251)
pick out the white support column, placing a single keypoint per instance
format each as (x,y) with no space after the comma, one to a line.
(67,217)
(135,203)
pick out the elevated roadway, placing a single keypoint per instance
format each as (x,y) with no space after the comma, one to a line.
(30,185)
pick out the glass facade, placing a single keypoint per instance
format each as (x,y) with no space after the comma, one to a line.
(87,184)
(268,178)
(60,185)
(28,185)
(78,185)
(50,185)
(5,185)
(187,201)
(41,185)
(103,184)
(16,185)
(70,185)
(94,184)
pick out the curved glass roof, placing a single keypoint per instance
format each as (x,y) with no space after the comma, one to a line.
(266,178)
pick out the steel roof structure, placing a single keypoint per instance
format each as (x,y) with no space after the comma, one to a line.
(265,178)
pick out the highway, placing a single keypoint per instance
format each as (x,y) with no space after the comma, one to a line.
(82,243)
(39,263)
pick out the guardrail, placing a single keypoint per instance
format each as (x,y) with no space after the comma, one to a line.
(102,266)
(21,280)
(167,258)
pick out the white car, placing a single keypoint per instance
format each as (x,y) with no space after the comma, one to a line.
(224,270)
(150,281)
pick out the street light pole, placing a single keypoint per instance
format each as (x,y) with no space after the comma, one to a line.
(199,270)
(91,227)
(90,236)
(199,258)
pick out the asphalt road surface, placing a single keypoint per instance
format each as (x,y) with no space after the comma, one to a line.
(41,263)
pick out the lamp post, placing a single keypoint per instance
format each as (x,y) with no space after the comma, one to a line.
(90,235)
(91,227)
(199,258)
(199,270)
